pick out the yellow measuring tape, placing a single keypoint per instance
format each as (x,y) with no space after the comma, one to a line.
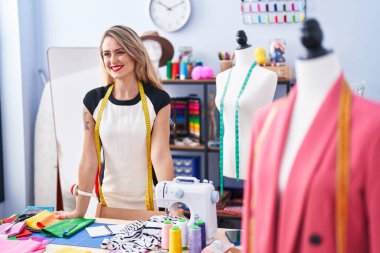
(149,187)
(342,169)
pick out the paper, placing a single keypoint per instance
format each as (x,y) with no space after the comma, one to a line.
(98,231)
(104,230)
(116,228)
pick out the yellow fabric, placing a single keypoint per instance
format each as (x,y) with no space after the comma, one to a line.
(32,221)
(48,220)
(71,250)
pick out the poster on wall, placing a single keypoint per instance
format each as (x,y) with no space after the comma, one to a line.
(272,11)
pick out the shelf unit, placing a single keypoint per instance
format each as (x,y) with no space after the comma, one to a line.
(205,85)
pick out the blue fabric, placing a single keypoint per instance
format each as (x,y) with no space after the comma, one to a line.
(81,239)
(49,208)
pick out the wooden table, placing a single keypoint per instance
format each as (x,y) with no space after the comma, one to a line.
(53,247)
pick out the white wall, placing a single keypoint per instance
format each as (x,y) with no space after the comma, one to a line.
(350,28)
(16,78)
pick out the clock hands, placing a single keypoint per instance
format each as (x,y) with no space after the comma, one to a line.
(172,7)
(167,7)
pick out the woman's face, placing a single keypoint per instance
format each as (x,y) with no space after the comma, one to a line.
(116,60)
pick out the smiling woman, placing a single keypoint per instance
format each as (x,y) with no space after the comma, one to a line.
(126,129)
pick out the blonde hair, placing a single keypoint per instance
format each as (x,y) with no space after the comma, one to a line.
(132,43)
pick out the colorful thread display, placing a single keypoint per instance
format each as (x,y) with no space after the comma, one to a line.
(273,11)
(175,240)
(166,226)
(195,237)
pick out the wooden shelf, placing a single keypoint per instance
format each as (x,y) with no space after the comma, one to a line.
(219,214)
(214,149)
(222,214)
(187,148)
(189,81)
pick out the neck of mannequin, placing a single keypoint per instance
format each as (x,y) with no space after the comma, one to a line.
(156,67)
(244,57)
(316,76)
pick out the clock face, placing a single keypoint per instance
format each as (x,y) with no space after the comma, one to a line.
(170,15)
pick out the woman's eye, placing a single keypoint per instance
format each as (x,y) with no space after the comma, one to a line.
(106,54)
(120,52)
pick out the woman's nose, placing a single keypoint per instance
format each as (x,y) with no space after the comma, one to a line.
(113,58)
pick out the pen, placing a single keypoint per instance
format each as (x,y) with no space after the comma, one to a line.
(69,229)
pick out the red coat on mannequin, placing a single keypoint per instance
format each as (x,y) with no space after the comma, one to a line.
(304,219)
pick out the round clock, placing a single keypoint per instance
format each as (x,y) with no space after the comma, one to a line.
(170,15)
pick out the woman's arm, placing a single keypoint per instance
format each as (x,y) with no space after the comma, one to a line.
(161,155)
(87,168)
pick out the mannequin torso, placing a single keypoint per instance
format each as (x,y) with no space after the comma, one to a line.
(258,92)
(315,77)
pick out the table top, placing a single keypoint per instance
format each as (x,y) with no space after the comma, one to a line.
(53,247)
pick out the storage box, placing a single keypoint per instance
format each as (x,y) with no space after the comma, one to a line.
(284,73)
(187,166)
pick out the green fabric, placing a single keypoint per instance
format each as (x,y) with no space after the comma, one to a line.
(66,228)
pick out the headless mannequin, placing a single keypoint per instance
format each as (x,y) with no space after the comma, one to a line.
(258,92)
(155,52)
(315,73)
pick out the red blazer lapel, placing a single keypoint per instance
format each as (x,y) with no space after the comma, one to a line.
(307,162)
(266,178)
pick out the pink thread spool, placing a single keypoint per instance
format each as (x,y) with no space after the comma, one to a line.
(166,226)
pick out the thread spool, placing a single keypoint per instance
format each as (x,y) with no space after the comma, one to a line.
(182,224)
(175,240)
(166,226)
(183,71)
(189,69)
(195,238)
(175,70)
(202,225)
(169,70)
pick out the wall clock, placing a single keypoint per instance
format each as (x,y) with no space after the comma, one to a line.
(170,15)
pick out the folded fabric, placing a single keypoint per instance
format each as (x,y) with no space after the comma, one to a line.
(24,232)
(71,250)
(47,221)
(49,208)
(10,229)
(9,219)
(26,215)
(138,236)
(25,246)
(66,228)
(32,221)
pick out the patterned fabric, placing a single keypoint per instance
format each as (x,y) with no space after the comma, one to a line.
(138,236)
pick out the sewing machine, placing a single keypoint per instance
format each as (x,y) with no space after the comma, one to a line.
(200,198)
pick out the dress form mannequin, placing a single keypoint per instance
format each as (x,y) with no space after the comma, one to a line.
(318,147)
(259,91)
(315,75)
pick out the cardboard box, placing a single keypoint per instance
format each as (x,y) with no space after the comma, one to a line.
(284,73)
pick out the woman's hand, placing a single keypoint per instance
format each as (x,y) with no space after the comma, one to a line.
(62,215)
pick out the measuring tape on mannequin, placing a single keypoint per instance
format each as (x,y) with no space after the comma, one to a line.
(98,187)
(221,124)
